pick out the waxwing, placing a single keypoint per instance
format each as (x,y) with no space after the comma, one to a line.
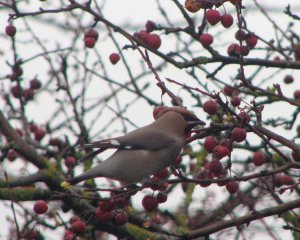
(144,151)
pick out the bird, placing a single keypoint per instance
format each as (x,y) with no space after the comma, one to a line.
(143,151)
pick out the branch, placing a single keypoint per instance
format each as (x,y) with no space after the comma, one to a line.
(20,145)
(26,194)
(277,210)
(278,138)
(40,176)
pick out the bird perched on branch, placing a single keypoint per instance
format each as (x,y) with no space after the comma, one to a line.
(144,151)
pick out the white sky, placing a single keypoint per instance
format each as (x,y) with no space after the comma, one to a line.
(132,12)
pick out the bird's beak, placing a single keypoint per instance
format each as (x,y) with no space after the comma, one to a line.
(193,124)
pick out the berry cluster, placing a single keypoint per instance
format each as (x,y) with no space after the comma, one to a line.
(27,93)
(38,132)
(213,17)
(158,183)
(235,49)
(150,39)
(112,211)
(90,38)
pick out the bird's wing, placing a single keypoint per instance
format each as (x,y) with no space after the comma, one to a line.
(143,138)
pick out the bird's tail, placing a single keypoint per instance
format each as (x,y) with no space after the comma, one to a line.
(74,181)
(91,155)
(78,179)
(91,173)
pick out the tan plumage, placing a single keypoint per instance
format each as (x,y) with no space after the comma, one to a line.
(143,151)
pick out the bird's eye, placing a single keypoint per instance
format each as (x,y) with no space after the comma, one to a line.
(189,118)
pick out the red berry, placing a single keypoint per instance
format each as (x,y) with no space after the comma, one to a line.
(69,235)
(238,134)
(244,50)
(74,219)
(10,30)
(107,206)
(149,202)
(70,161)
(56,142)
(16,91)
(213,16)
(232,187)
(286,180)
(78,227)
(206,39)
(162,174)
(233,50)
(210,143)
(216,167)
(251,41)
(283,179)
(221,184)
(89,42)
(156,111)
(114,58)
(40,207)
(240,35)
(227,20)
(204,174)
(277,59)
(33,127)
(161,197)
(210,107)
(244,117)
(104,216)
(35,84)
(259,158)
(121,218)
(288,79)
(12,155)
(91,33)
(297,94)
(153,41)
(226,143)
(17,71)
(150,26)
(39,134)
(207,166)
(28,94)
(161,186)
(228,90)
(235,101)
(142,35)
(192,6)
(220,151)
